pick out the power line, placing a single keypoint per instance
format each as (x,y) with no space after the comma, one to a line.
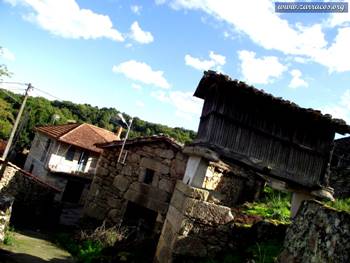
(8,94)
(49,94)
(13,82)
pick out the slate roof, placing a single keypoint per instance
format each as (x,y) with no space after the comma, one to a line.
(143,140)
(83,135)
(212,80)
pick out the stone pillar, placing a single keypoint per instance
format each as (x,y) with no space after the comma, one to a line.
(297,199)
(5,214)
(188,216)
(196,170)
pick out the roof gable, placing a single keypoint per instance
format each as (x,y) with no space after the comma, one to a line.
(81,135)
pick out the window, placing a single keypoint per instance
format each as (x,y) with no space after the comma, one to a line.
(70,153)
(46,150)
(83,159)
(148,176)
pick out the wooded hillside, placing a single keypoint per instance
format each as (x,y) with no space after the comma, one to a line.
(41,111)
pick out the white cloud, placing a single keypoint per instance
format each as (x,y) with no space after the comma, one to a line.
(337,56)
(139,35)
(140,104)
(160,95)
(268,29)
(215,62)
(136,9)
(297,81)
(340,110)
(66,19)
(136,86)
(260,70)
(142,72)
(7,54)
(160,2)
(337,19)
(187,106)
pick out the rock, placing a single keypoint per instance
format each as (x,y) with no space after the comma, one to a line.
(189,246)
(317,234)
(166,185)
(121,183)
(165,153)
(154,165)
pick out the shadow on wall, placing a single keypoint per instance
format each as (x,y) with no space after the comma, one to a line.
(34,204)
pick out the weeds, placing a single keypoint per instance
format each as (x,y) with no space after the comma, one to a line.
(266,252)
(340,204)
(275,205)
(87,246)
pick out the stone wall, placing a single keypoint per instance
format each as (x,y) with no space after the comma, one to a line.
(5,214)
(33,204)
(115,184)
(340,182)
(196,230)
(318,234)
(231,185)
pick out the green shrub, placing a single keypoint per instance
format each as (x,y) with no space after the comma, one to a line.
(84,252)
(9,239)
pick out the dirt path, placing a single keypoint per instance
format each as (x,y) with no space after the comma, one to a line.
(33,247)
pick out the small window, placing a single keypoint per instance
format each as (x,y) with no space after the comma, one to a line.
(70,154)
(31,168)
(148,176)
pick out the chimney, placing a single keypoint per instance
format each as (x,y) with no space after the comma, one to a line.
(119,131)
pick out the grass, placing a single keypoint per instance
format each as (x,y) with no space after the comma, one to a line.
(266,252)
(274,205)
(340,204)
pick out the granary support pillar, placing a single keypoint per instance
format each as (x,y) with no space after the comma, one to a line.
(196,170)
(297,199)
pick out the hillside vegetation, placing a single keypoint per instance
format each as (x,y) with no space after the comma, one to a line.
(41,111)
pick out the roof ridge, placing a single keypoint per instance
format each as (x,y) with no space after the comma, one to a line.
(65,134)
(92,128)
(102,129)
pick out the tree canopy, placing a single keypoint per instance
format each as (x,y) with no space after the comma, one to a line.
(41,111)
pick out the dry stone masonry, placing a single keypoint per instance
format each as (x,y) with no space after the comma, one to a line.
(147,178)
(318,234)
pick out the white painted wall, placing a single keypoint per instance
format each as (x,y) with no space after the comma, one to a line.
(55,158)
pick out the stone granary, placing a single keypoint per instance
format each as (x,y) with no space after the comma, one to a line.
(253,133)
(139,187)
(340,168)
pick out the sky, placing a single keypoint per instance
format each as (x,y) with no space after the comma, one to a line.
(146,58)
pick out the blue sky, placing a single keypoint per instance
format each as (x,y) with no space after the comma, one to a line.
(146,58)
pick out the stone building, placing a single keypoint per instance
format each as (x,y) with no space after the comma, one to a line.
(340,168)
(139,187)
(65,156)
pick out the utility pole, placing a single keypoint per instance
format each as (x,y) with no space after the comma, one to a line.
(13,132)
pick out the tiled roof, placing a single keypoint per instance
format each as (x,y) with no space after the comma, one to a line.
(2,146)
(82,135)
(143,140)
(211,80)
